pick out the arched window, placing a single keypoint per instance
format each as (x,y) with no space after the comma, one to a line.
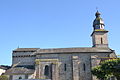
(46,70)
(20,77)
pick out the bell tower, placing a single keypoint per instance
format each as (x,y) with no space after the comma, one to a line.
(99,35)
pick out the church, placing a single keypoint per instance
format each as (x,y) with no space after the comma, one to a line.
(62,63)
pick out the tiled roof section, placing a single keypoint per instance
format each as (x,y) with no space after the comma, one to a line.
(19,70)
(73,50)
(25,49)
(4,67)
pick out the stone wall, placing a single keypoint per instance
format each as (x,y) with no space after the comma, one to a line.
(70,66)
(23,58)
(73,69)
(14,77)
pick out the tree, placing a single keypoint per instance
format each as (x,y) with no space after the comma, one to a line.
(107,69)
(97,71)
(3,77)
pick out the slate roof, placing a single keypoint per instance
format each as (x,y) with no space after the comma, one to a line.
(25,49)
(74,50)
(64,50)
(19,70)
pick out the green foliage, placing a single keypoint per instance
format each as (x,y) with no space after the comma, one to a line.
(101,74)
(3,77)
(107,69)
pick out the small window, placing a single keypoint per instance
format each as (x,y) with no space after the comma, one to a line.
(101,40)
(65,67)
(84,67)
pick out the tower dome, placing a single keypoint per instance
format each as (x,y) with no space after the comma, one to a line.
(98,22)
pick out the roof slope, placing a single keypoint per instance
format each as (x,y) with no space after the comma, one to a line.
(19,70)
(25,49)
(63,50)
(73,50)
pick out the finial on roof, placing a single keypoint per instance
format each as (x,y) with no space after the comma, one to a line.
(97,14)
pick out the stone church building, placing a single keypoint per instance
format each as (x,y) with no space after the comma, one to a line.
(62,63)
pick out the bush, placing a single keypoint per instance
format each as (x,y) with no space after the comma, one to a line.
(107,69)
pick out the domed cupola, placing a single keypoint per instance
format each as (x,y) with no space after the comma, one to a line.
(98,22)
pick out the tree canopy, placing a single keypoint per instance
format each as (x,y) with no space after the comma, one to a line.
(107,69)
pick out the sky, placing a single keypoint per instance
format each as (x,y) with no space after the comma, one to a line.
(54,24)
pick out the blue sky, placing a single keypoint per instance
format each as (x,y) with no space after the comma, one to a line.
(54,24)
